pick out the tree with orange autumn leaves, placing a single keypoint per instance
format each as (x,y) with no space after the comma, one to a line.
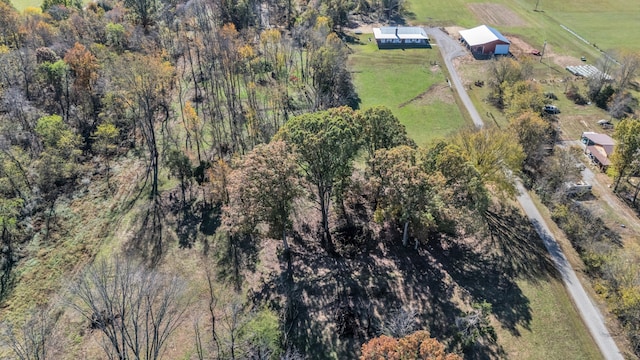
(417,346)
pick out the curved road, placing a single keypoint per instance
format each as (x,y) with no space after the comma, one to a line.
(590,313)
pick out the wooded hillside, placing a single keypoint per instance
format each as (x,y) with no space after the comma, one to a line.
(196,180)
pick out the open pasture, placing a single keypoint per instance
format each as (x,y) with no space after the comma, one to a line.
(23,4)
(411,83)
(609,24)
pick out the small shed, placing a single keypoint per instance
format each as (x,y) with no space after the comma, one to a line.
(599,148)
(401,37)
(485,41)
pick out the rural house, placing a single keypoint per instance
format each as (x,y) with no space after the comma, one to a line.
(484,41)
(598,147)
(401,37)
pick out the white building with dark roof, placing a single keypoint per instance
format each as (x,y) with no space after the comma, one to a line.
(401,37)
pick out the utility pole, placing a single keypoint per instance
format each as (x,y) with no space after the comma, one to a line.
(544,47)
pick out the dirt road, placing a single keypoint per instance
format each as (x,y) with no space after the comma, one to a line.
(590,313)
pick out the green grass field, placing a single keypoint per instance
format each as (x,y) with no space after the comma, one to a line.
(23,4)
(555,330)
(591,19)
(396,79)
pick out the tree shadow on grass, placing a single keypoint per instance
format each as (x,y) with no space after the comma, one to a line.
(193,219)
(147,243)
(333,305)
(187,228)
(488,271)
(520,251)
(484,279)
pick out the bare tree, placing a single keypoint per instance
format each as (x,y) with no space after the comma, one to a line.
(234,322)
(622,104)
(400,323)
(213,344)
(475,325)
(137,309)
(292,354)
(628,69)
(31,340)
(597,82)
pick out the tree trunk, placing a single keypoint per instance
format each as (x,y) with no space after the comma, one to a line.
(7,252)
(405,234)
(213,301)
(324,195)
(155,165)
(617,183)
(284,239)
(183,188)
(635,194)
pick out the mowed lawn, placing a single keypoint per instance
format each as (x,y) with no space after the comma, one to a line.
(23,4)
(610,24)
(401,80)
(555,331)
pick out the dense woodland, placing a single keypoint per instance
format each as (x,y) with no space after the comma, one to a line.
(238,127)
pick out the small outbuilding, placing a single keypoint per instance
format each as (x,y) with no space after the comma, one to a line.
(485,41)
(401,37)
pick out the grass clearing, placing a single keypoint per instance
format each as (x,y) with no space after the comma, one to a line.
(23,4)
(555,331)
(80,228)
(408,83)
(591,19)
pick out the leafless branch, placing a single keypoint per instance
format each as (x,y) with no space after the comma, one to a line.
(136,309)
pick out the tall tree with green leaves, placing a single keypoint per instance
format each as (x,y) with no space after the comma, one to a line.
(58,162)
(56,76)
(104,143)
(534,135)
(409,194)
(635,168)
(144,11)
(464,187)
(331,81)
(494,154)
(262,189)
(627,136)
(381,130)
(505,72)
(521,97)
(326,142)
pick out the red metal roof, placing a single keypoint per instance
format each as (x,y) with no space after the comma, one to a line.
(599,153)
